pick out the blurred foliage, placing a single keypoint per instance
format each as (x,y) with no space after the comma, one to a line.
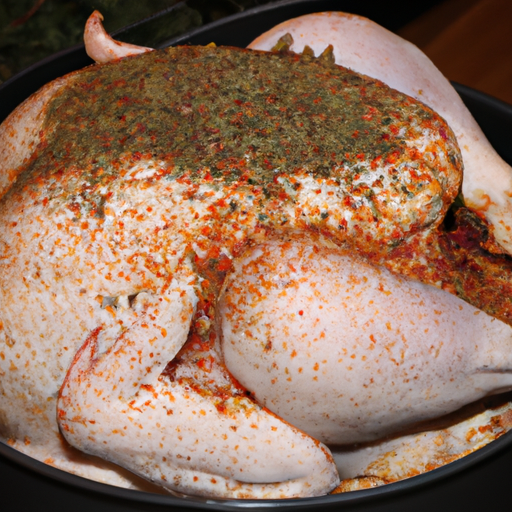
(31,30)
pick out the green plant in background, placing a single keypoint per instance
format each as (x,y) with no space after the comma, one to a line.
(30,30)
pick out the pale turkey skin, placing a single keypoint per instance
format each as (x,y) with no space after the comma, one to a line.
(349,352)
(95,309)
(143,335)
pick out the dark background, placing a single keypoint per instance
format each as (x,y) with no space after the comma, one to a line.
(469,40)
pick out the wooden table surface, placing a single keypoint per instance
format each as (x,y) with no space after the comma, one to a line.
(470,41)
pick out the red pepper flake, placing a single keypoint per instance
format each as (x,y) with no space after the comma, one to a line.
(221,407)
(150,389)
(132,406)
(392,158)
(225,263)
(123,100)
(375,162)
(206,363)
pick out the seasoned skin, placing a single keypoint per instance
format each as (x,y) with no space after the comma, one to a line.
(126,235)
(20,133)
(364,46)
(391,162)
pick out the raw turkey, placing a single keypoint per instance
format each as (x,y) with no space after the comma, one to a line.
(185,235)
